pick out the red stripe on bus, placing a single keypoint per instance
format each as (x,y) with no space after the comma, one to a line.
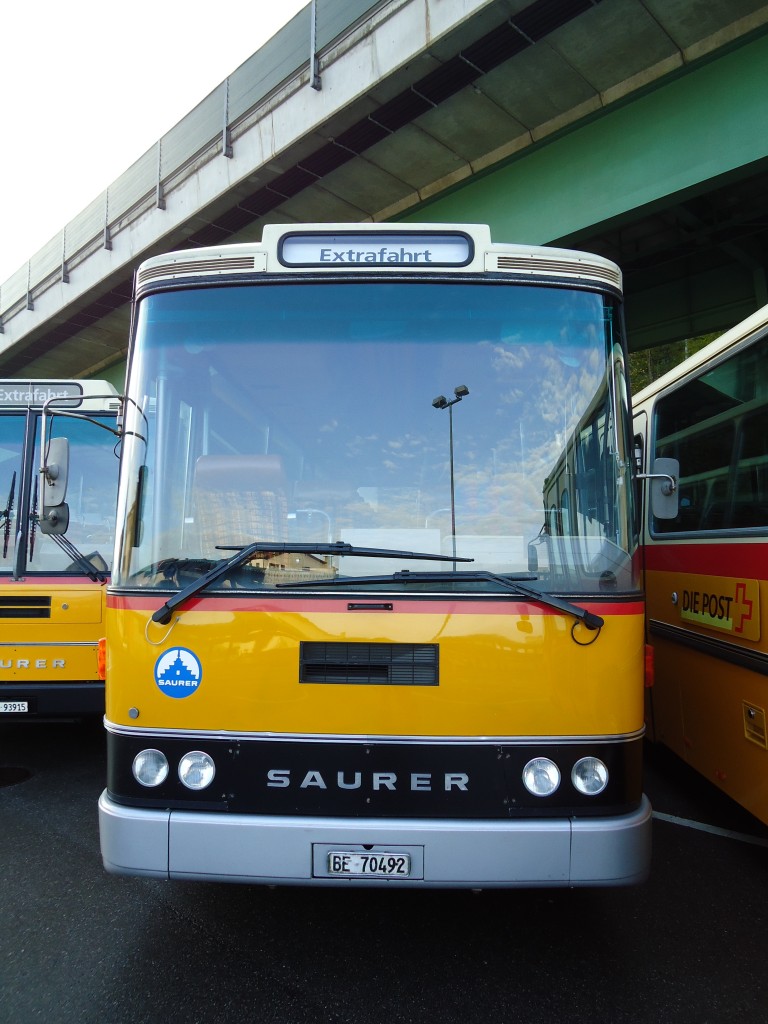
(400,605)
(30,582)
(748,558)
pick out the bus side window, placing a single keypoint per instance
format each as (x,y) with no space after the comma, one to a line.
(717,426)
(750,498)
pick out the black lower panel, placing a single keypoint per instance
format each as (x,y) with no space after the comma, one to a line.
(425,780)
(60,699)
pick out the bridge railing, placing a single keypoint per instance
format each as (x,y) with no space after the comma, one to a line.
(205,133)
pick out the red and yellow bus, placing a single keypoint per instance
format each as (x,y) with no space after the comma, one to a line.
(52,585)
(707,568)
(344,645)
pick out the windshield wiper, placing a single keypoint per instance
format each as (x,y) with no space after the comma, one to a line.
(6,513)
(514,582)
(245,554)
(83,562)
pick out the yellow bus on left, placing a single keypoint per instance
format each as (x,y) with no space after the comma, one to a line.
(56,541)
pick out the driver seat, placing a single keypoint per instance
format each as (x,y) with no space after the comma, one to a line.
(239,499)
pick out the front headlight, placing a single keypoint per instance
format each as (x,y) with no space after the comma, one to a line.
(196,769)
(589,776)
(150,767)
(541,777)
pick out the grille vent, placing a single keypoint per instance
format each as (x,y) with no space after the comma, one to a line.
(555,268)
(226,265)
(25,607)
(369,664)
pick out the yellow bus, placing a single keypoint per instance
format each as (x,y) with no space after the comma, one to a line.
(707,568)
(342,647)
(53,585)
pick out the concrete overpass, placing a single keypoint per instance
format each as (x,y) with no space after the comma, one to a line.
(634,128)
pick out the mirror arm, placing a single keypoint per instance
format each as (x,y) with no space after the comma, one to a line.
(669,488)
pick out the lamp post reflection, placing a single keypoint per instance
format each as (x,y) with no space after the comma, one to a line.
(441,402)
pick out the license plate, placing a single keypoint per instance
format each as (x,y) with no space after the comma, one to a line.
(369,865)
(13,707)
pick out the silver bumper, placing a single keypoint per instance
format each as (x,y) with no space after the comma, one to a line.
(444,854)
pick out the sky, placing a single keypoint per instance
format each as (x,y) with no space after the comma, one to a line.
(88,86)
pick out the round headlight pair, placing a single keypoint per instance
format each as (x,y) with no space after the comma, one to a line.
(196,769)
(541,776)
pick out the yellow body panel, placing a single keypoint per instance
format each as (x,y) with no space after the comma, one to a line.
(60,644)
(501,674)
(708,710)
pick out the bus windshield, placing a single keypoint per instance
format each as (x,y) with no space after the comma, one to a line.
(461,419)
(91,497)
(11,449)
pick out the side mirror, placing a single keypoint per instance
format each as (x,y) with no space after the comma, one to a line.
(664,494)
(533,558)
(54,475)
(55,519)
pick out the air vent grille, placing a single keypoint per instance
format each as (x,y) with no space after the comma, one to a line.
(224,265)
(369,664)
(25,607)
(556,268)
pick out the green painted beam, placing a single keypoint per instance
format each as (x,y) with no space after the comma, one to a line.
(702,123)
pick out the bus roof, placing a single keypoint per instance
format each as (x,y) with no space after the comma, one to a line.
(741,333)
(361,248)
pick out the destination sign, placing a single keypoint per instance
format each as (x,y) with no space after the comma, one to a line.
(342,249)
(38,392)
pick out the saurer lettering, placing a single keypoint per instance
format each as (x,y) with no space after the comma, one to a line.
(417,782)
(26,663)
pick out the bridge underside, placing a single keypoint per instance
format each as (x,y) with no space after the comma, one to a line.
(635,130)
(696,265)
(671,184)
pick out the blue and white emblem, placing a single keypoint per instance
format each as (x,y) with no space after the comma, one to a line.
(178,672)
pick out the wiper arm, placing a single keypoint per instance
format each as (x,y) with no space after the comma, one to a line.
(245,554)
(6,513)
(83,562)
(586,618)
(338,547)
(515,583)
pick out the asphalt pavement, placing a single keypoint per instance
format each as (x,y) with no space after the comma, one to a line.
(690,946)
